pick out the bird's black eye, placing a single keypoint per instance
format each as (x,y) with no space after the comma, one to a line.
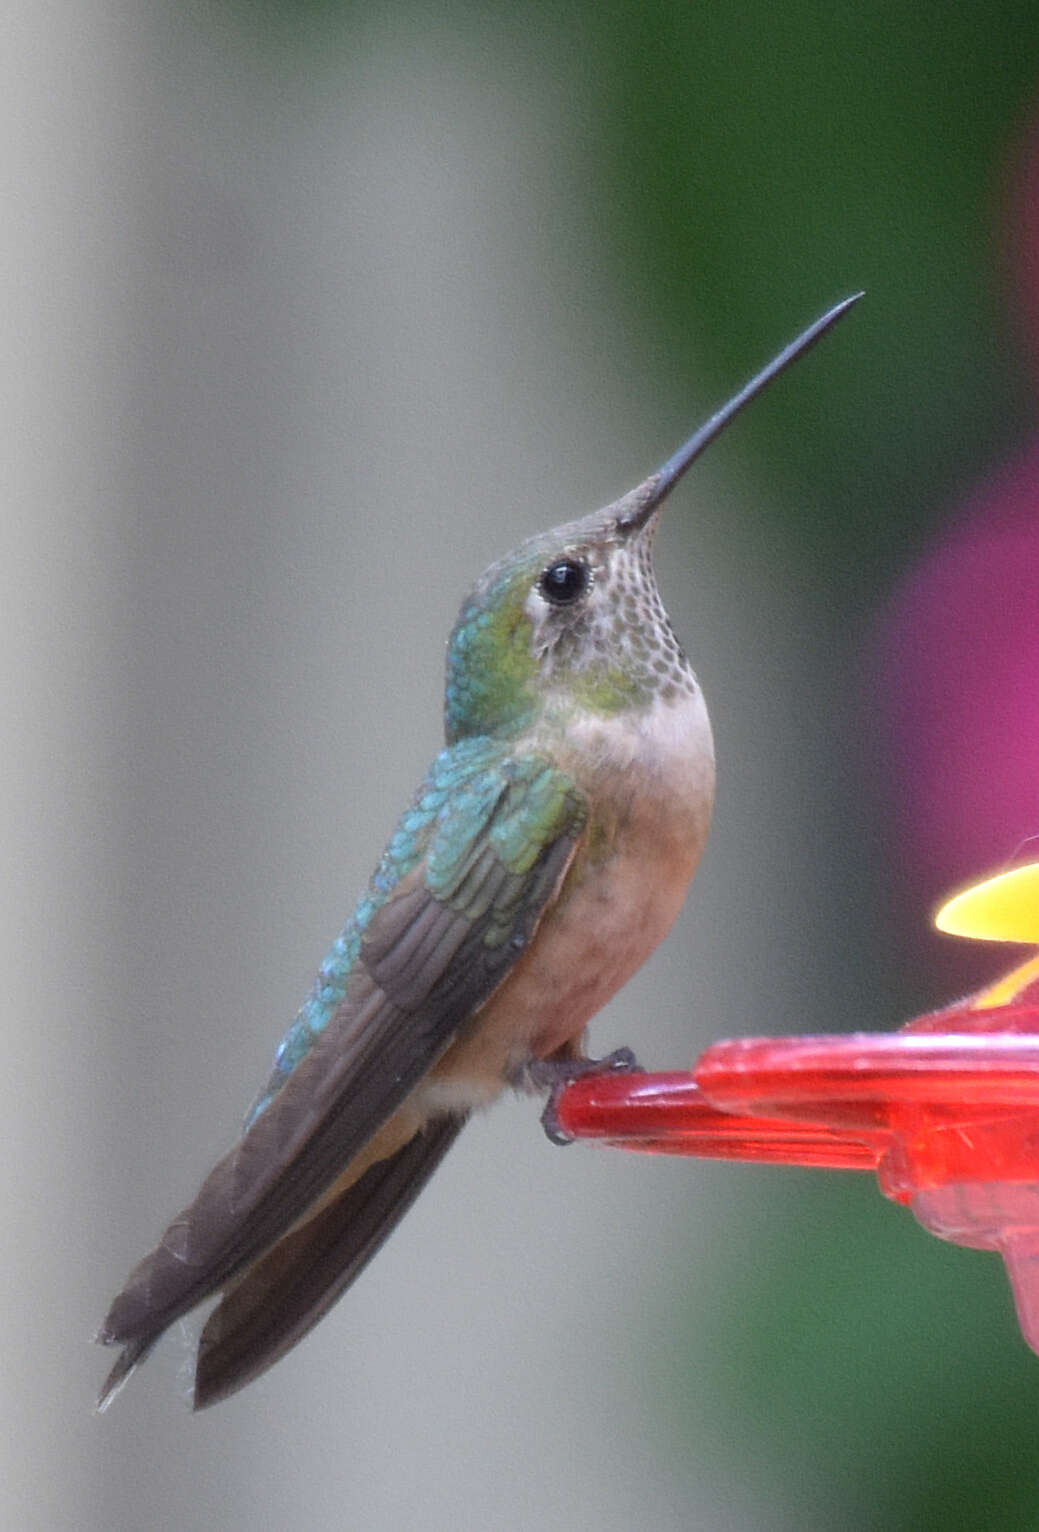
(565,582)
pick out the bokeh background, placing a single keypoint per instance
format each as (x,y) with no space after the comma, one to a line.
(310,310)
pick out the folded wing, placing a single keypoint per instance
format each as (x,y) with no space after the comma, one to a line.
(456,899)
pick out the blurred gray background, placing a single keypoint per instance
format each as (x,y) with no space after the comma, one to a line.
(311,313)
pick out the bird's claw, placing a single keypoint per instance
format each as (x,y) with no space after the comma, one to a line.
(554,1075)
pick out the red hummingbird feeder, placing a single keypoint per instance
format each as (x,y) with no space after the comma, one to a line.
(945,1111)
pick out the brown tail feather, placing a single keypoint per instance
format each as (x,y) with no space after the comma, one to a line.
(131,1355)
(301,1277)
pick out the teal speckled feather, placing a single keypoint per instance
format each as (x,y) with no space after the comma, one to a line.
(459,769)
(443,826)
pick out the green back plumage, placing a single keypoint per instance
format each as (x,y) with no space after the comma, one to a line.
(473,834)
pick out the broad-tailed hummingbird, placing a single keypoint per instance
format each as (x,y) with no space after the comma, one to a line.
(544,857)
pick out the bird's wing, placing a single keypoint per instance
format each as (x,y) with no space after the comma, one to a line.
(295,1283)
(458,895)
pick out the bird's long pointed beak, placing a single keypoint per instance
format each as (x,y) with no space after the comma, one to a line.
(635,509)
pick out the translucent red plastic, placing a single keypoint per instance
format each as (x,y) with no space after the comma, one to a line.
(946,1112)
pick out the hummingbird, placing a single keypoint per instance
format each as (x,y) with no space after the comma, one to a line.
(544,857)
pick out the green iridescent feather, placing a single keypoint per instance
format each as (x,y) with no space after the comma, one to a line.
(476,804)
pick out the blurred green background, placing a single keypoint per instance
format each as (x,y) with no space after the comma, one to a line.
(315,309)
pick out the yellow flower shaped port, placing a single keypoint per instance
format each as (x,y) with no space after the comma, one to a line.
(1002,909)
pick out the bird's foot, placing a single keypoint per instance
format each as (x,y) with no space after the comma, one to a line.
(555,1074)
